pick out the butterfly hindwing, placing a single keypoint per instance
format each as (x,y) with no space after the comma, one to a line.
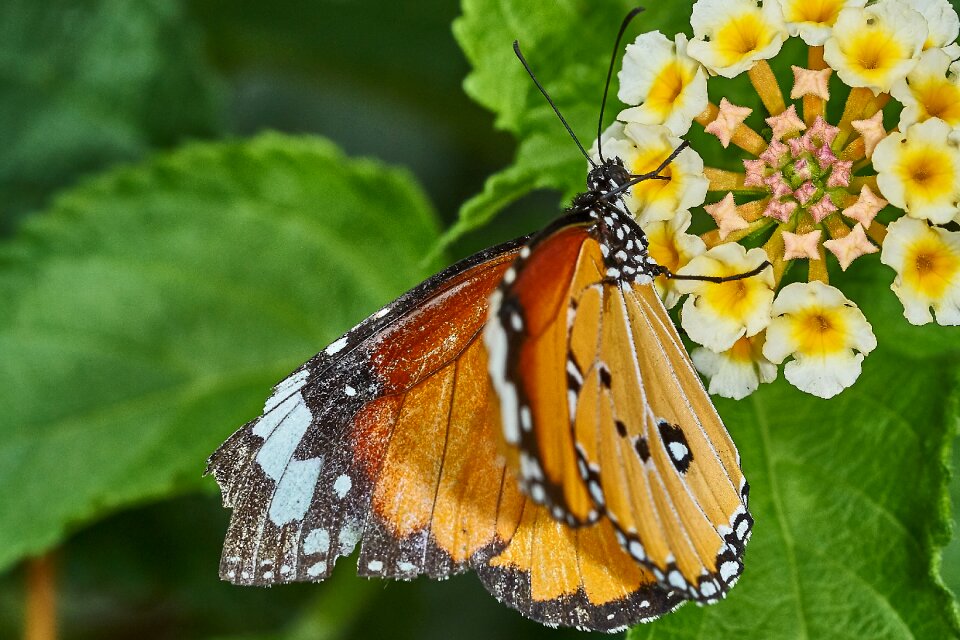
(574,576)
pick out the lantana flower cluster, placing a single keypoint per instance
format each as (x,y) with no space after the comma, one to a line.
(811,186)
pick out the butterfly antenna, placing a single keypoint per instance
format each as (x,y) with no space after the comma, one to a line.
(516,50)
(606,87)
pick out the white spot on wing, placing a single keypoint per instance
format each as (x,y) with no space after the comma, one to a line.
(495,339)
(294,491)
(375,565)
(728,569)
(336,347)
(678,451)
(342,485)
(349,537)
(282,428)
(406,567)
(526,419)
(350,391)
(285,387)
(317,541)
(317,568)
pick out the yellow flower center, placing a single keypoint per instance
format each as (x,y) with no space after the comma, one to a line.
(741,351)
(931,267)
(819,332)
(823,12)
(649,191)
(938,99)
(873,54)
(663,251)
(927,173)
(742,36)
(667,87)
(735,300)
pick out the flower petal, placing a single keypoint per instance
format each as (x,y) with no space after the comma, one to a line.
(813,21)
(927,262)
(919,171)
(826,335)
(669,87)
(716,315)
(642,148)
(673,248)
(738,371)
(729,36)
(876,46)
(930,90)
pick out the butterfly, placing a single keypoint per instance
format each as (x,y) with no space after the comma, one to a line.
(529,414)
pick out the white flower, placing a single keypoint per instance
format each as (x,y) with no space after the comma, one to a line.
(927,262)
(876,46)
(717,315)
(919,171)
(729,36)
(672,248)
(942,21)
(642,148)
(738,371)
(669,86)
(813,21)
(826,334)
(931,90)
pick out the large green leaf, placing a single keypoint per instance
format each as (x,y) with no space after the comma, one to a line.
(147,313)
(88,83)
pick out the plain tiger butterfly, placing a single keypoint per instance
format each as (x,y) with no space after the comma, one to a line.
(529,413)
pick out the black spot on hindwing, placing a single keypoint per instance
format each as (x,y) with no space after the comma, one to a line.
(642,448)
(676,444)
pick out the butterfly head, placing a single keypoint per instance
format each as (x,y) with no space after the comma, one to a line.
(607,176)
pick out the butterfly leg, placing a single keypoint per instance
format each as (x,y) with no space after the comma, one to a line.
(715,279)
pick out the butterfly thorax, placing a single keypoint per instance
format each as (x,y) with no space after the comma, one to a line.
(622,241)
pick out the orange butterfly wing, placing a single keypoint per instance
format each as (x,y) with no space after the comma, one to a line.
(390,438)
(605,413)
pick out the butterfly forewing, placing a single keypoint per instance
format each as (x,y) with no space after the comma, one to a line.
(527,341)
(643,442)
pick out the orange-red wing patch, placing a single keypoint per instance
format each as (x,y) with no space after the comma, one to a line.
(529,335)
(577,577)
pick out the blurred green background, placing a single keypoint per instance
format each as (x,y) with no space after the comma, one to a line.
(89,86)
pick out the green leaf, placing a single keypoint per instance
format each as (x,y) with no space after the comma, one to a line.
(568,45)
(147,313)
(89,83)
